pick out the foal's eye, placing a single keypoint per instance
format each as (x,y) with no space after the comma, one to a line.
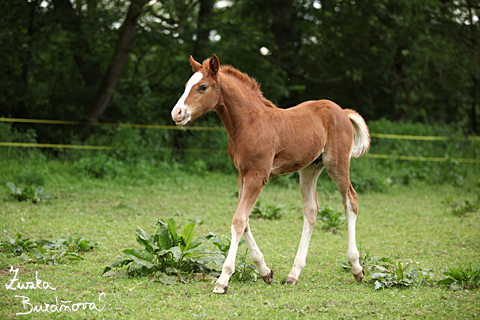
(203,88)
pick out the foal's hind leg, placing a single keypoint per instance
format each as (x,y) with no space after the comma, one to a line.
(308,187)
(338,169)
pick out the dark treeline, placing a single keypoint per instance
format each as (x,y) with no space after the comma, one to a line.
(127,61)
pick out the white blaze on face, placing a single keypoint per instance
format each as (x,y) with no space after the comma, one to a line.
(180,109)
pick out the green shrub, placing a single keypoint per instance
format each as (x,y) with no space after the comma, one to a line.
(31,178)
(9,133)
(166,255)
(385,273)
(331,219)
(268,212)
(462,208)
(46,251)
(403,172)
(402,275)
(461,278)
(225,247)
(28,193)
(200,151)
(244,271)
(99,166)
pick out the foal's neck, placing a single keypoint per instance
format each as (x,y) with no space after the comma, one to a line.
(238,104)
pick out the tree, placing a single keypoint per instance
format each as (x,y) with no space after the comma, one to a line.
(467,13)
(205,15)
(122,50)
(71,22)
(128,61)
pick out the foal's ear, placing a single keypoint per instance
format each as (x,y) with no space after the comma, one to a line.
(195,65)
(214,64)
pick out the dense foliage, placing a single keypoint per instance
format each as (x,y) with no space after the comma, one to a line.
(400,60)
(408,67)
(47,251)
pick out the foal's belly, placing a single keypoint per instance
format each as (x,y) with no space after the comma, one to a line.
(283,164)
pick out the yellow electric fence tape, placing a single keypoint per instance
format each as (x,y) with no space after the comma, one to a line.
(151,126)
(154,126)
(413,158)
(48,145)
(106,124)
(428,138)
(368,155)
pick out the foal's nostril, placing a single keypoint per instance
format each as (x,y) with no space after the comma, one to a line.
(178,114)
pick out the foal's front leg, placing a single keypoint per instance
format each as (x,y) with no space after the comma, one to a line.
(308,187)
(249,190)
(257,256)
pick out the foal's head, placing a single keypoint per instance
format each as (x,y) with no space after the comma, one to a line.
(201,92)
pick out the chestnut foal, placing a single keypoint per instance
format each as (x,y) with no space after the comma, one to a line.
(266,141)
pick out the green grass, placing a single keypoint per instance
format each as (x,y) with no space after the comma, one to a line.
(409,223)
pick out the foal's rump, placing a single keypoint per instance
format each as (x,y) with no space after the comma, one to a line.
(339,126)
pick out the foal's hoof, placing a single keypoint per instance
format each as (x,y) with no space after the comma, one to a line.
(268,278)
(291,281)
(219,289)
(359,277)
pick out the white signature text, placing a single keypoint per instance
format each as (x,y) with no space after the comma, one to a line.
(60,305)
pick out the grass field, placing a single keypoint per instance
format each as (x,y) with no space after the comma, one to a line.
(408,223)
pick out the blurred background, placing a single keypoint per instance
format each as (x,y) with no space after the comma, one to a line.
(408,67)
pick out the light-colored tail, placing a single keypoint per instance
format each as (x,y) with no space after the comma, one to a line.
(361,141)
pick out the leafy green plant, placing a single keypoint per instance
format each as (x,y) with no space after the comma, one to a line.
(385,273)
(78,244)
(331,219)
(18,246)
(166,255)
(401,276)
(244,271)
(29,193)
(462,208)
(224,247)
(268,212)
(461,278)
(368,261)
(46,251)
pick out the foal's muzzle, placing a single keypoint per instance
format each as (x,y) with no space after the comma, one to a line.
(180,115)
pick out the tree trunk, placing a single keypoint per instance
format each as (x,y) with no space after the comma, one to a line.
(124,45)
(201,49)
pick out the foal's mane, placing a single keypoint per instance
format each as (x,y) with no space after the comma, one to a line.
(249,82)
